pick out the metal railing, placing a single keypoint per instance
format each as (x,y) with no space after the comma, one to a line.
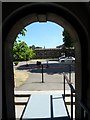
(23,103)
(20,96)
(85,110)
(72,91)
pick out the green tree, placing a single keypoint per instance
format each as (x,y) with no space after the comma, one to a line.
(21,51)
(16,46)
(22,32)
(33,47)
(68,41)
(30,54)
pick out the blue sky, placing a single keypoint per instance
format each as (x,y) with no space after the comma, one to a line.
(42,34)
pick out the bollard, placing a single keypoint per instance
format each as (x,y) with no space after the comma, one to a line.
(42,75)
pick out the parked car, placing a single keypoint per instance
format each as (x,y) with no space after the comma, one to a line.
(67,59)
(62,57)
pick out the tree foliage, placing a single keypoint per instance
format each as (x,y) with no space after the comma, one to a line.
(34,47)
(68,41)
(21,51)
(22,32)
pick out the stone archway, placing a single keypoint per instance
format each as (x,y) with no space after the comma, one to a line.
(32,13)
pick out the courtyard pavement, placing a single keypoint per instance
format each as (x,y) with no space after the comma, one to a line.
(52,80)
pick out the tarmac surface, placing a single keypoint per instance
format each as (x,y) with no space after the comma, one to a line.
(47,78)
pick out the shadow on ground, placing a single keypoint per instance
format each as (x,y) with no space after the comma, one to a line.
(52,68)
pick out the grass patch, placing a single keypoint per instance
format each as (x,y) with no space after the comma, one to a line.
(20,77)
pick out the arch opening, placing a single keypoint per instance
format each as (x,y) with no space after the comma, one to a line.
(26,20)
(48,49)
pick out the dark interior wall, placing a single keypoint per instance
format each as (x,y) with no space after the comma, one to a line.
(0,61)
(9,7)
(80,9)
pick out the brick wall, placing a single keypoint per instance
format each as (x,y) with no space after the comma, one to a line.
(53,53)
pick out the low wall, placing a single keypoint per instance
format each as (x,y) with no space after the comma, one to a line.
(53,53)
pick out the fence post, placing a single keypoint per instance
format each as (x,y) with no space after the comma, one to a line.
(71,104)
(42,75)
(70,73)
(64,86)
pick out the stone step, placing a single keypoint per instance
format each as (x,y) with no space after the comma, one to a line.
(46,106)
